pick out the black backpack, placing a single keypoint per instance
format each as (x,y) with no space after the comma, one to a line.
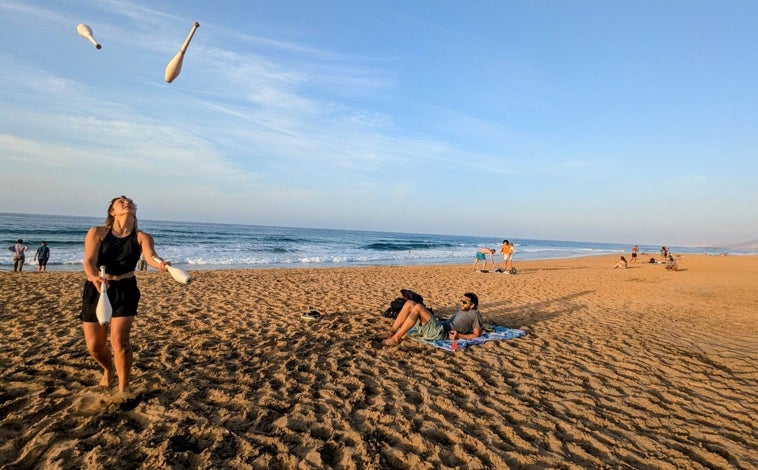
(394,308)
(397,304)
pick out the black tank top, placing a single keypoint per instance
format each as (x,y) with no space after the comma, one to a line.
(119,255)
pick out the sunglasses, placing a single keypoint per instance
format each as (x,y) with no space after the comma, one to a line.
(465,302)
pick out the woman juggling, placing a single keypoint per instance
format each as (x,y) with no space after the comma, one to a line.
(117,245)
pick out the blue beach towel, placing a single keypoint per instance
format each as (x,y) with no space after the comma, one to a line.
(491,333)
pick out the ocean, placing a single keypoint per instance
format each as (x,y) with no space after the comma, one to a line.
(195,246)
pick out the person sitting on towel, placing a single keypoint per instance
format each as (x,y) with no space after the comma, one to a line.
(672,265)
(466,323)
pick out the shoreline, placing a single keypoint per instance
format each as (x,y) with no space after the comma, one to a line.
(203,247)
(620,368)
(422,263)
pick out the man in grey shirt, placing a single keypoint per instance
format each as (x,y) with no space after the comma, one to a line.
(466,323)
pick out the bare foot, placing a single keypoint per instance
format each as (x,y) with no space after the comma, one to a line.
(386,334)
(391,341)
(106,380)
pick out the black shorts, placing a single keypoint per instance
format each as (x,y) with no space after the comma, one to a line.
(42,261)
(124,296)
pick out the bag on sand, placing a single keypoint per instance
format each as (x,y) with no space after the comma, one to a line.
(510,271)
(394,308)
(397,304)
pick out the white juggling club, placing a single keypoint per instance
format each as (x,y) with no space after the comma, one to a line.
(104,310)
(179,275)
(86,32)
(175,66)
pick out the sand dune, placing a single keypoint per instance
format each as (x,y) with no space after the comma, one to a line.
(635,368)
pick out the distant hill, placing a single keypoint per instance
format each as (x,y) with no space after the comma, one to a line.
(752,245)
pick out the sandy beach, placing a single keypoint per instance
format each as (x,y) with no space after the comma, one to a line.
(621,368)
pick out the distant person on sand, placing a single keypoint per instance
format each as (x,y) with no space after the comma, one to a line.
(671,264)
(481,255)
(635,250)
(664,254)
(42,255)
(507,251)
(504,250)
(466,323)
(621,263)
(117,245)
(19,255)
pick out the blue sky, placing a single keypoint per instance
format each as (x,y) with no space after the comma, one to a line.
(574,120)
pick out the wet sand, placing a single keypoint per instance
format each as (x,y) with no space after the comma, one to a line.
(634,368)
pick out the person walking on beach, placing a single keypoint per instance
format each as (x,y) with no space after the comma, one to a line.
(117,245)
(635,250)
(19,255)
(42,255)
(466,323)
(481,255)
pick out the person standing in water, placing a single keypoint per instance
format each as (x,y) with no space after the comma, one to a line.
(19,255)
(41,256)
